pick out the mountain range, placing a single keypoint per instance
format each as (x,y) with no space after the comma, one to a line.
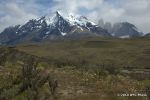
(121,29)
(61,27)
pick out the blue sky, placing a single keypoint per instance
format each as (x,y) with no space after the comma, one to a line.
(14,12)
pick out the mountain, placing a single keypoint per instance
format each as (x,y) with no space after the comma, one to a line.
(147,35)
(105,25)
(125,30)
(52,28)
(121,29)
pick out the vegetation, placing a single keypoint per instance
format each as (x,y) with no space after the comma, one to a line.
(88,69)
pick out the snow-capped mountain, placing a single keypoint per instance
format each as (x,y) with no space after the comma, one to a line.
(51,28)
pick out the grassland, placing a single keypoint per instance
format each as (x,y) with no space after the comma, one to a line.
(134,53)
(88,69)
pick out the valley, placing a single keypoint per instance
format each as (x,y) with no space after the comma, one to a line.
(87,69)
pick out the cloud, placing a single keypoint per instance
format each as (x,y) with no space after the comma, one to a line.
(74,6)
(12,14)
(137,12)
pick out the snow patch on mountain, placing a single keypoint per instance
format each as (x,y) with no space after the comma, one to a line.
(47,33)
(124,36)
(81,21)
(62,33)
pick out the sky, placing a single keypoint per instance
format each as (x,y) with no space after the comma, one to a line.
(13,12)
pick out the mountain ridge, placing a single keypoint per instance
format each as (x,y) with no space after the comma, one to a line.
(121,29)
(51,28)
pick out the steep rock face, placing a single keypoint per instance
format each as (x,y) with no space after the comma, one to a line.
(51,28)
(125,29)
(8,34)
(121,30)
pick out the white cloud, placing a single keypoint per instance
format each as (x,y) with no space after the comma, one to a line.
(13,14)
(137,12)
(74,6)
